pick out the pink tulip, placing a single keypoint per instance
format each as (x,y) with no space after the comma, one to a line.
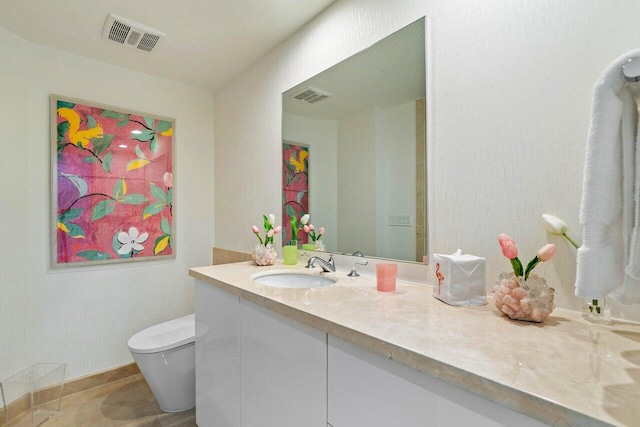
(504,238)
(271,232)
(255,230)
(509,250)
(311,227)
(277,230)
(167,178)
(321,231)
(306,229)
(547,252)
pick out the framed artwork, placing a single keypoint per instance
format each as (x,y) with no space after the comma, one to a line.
(295,188)
(112,188)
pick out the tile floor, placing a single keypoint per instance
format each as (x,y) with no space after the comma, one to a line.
(127,402)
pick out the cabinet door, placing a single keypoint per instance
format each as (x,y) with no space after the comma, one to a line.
(284,370)
(366,389)
(217,357)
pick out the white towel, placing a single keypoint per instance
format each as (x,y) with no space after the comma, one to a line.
(609,258)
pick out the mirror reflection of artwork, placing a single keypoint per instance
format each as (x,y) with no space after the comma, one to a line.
(364,119)
(295,188)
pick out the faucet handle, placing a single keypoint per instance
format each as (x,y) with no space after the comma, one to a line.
(353,272)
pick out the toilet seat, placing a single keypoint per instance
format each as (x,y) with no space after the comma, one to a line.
(167,335)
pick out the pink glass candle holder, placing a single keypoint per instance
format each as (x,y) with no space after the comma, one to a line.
(386,277)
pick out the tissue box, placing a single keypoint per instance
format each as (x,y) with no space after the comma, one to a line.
(460,279)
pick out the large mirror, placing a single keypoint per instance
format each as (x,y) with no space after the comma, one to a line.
(354,147)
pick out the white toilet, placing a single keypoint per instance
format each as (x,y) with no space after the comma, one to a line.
(165,354)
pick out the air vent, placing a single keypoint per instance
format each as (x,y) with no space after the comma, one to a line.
(311,95)
(131,34)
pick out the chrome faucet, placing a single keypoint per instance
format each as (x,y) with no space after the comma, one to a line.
(326,266)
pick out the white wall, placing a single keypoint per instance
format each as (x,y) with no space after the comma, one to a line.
(356,191)
(84,316)
(322,138)
(510,96)
(396,180)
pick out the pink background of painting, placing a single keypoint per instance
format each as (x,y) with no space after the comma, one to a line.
(99,234)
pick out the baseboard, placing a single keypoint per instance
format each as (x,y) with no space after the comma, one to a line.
(70,387)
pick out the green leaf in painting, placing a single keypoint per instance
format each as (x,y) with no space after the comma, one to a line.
(106,162)
(144,135)
(63,127)
(153,145)
(80,183)
(301,195)
(170,196)
(123,122)
(101,144)
(158,193)
(165,227)
(153,209)
(103,209)
(75,230)
(139,153)
(120,189)
(92,255)
(133,199)
(163,126)
(149,122)
(113,114)
(161,244)
(69,215)
(65,104)
(91,122)
(290,211)
(90,159)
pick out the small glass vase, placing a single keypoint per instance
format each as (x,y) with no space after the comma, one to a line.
(314,246)
(530,300)
(596,310)
(263,255)
(290,253)
(311,246)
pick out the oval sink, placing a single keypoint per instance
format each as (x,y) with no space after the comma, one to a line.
(287,279)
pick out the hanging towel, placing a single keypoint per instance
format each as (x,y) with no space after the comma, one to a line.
(609,258)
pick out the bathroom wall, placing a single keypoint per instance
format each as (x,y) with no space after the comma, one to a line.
(356,191)
(509,93)
(84,316)
(395,179)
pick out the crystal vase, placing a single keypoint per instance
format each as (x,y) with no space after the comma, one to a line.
(263,255)
(530,300)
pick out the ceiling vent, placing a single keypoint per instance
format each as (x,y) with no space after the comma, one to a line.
(131,34)
(311,95)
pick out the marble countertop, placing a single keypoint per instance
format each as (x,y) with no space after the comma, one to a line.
(564,371)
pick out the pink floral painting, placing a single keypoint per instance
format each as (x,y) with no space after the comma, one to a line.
(295,189)
(112,187)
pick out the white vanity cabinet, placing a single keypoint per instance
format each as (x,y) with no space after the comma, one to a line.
(366,389)
(256,367)
(259,368)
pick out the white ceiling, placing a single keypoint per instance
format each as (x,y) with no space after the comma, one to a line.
(207,42)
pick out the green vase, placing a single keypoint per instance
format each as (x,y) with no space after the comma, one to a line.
(290,253)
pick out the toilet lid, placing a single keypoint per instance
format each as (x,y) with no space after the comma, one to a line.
(167,335)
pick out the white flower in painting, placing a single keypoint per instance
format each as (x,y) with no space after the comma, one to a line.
(131,241)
